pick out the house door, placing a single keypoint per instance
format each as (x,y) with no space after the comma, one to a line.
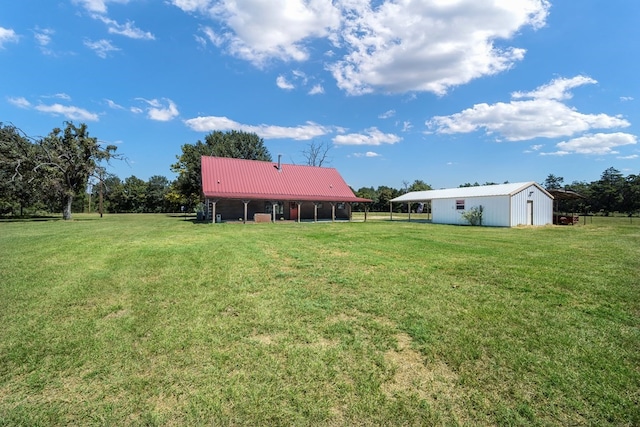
(529,212)
(293,211)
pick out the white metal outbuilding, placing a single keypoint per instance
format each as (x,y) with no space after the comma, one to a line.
(503,205)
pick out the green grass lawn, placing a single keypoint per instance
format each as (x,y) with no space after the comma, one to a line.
(157,320)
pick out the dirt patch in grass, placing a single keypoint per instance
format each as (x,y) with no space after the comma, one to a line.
(117,314)
(264,339)
(433,382)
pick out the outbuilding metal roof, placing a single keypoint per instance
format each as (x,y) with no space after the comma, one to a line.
(562,194)
(227,178)
(465,192)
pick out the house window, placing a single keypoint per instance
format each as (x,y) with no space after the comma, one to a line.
(268,208)
(460,204)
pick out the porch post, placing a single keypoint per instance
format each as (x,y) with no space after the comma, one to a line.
(333,212)
(366,209)
(246,202)
(213,211)
(390,211)
(299,207)
(273,210)
(315,211)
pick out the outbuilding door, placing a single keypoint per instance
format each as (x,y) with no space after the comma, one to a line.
(293,211)
(529,212)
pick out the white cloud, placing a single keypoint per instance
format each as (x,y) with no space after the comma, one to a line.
(316,90)
(19,102)
(101,47)
(60,95)
(192,5)
(282,83)
(367,154)
(7,35)
(300,75)
(257,31)
(297,79)
(372,136)
(382,45)
(430,45)
(406,126)
(303,133)
(70,112)
(543,116)
(387,114)
(162,111)
(626,98)
(211,35)
(43,38)
(629,157)
(557,89)
(113,105)
(98,6)
(599,143)
(128,29)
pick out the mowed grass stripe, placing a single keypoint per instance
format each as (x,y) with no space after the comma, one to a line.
(156,320)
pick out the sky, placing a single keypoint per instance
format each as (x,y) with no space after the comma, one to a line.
(444,91)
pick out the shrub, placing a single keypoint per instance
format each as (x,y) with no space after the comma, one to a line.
(473,215)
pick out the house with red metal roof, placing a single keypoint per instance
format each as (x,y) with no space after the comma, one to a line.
(237,189)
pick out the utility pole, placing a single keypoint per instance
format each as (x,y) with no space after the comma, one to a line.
(101,175)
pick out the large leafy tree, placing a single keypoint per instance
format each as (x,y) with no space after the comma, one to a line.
(112,193)
(235,144)
(553,182)
(631,194)
(607,193)
(67,158)
(157,189)
(384,195)
(419,185)
(18,186)
(365,193)
(134,194)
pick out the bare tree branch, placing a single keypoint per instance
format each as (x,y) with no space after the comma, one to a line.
(316,153)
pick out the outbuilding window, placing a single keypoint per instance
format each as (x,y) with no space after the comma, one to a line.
(460,204)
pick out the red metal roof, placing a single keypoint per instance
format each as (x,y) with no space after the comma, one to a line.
(227,178)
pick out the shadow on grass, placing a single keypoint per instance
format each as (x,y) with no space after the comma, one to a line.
(33,218)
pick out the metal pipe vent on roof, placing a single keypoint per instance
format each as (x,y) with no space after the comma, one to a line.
(279,162)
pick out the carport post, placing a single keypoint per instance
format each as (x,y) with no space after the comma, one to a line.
(409,210)
(390,211)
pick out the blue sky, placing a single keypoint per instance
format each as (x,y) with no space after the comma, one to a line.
(447,92)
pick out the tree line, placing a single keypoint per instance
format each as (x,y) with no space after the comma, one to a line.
(613,192)
(66,171)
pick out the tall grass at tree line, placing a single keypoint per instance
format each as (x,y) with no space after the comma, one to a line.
(157,320)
